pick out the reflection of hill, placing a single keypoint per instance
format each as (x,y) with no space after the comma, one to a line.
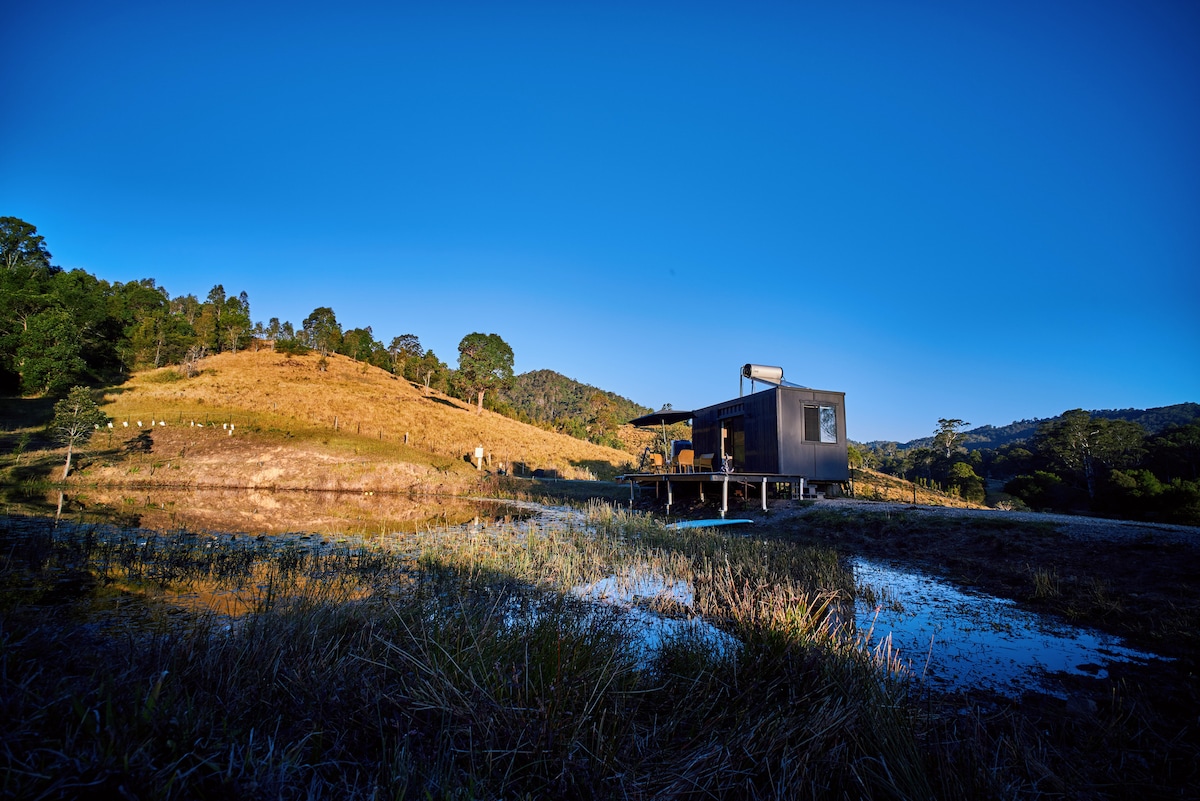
(278,512)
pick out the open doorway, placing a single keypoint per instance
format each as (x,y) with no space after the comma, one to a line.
(733,440)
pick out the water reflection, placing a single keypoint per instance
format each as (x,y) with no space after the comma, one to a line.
(957,640)
(260,511)
(631,592)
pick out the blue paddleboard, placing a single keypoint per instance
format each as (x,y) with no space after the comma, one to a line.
(705,523)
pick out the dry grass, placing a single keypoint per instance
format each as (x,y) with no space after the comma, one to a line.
(875,486)
(348,426)
(347,672)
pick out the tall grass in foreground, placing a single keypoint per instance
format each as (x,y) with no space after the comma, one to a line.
(459,669)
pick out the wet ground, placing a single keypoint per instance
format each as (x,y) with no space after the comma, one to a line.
(1128,723)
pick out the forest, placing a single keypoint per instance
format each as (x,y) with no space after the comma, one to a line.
(62,328)
(1133,464)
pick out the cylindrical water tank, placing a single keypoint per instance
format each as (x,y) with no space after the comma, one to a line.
(762,372)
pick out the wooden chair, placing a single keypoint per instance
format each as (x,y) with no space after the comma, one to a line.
(685,461)
(704,463)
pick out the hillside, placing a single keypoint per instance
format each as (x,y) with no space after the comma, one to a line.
(545,396)
(267,419)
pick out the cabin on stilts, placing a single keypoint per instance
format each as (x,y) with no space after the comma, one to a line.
(784,438)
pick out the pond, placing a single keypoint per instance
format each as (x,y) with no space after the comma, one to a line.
(954,639)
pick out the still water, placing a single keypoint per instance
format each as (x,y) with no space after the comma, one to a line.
(957,639)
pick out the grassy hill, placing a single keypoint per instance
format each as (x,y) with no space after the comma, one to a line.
(257,419)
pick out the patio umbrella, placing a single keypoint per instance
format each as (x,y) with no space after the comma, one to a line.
(663,417)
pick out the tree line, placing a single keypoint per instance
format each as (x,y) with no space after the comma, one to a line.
(60,328)
(1078,462)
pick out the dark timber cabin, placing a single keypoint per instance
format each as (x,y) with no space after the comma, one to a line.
(782,435)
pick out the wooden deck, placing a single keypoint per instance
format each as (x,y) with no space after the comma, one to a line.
(761,481)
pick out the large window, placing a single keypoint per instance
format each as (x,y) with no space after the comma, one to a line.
(820,424)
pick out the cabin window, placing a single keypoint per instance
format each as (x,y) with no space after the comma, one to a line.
(820,424)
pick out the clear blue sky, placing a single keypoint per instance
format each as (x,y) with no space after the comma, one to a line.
(981,210)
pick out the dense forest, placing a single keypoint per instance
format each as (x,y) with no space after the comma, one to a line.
(547,398)
(61,328)
(1128,463)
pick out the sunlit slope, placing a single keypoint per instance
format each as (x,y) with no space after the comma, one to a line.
(337,405)
(872,485)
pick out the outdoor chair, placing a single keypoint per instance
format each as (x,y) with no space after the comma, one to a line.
(704,463)
(684,462)
(656,462)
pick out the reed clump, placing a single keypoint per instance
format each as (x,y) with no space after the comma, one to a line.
(447,667)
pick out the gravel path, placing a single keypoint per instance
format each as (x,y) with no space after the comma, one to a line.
(1074,526)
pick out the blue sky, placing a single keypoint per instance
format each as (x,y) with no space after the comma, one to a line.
(988,211)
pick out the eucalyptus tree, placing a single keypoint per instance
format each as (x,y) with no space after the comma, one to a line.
(235,321)
(1084,446)
(949,433)
(321,331)
(402,349)
(21,246)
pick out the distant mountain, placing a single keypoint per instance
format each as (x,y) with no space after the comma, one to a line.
(546,396)
(1153,420)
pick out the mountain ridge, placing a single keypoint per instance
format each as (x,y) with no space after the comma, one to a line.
(1153,419)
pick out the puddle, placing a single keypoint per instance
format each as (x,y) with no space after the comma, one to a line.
(954,639)
(631,591)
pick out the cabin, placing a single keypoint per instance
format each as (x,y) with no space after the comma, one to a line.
(785,434)
(785,430)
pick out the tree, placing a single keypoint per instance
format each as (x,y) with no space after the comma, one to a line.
(20,246)
(76,418)
(1084,446)
(358,344)
(321,331)
(964,479)
(48,357)
(485,361)
(402,349)
(602,418)
(25,290)
(948,433)
(235,321)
